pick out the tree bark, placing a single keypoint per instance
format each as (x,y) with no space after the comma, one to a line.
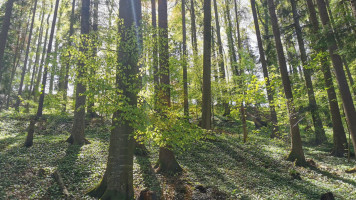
(206,101)
(4,33)
(117,182)
(263,61)
(31,129)
(18,101)
(296,153)
(344,89)
(78,128)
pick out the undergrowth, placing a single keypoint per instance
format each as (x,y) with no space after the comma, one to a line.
(255,170)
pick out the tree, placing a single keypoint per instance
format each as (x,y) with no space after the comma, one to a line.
(117,182)
(18,101)
(206,102)
(344,89)
(66,77)
(194,28)
(339,135)
(166,160)
(4,33)
(31,128)
(263,61)
(17,57)
(154,52)
(54,66)
(91,99)
(320,136)
(185,73)
(296,153)
(77,134)
(233,62)
(37,57)
(220,57)
(44,49)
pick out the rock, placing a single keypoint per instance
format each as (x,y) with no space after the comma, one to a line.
(327,196)
(147,195)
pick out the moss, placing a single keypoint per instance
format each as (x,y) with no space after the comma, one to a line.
(98,191)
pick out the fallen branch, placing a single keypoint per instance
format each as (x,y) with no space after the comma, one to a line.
(57,176)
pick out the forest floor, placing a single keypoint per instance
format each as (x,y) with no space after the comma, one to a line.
(222,167)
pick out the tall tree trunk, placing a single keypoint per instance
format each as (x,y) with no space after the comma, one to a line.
(234,65)
(239,45)
(17,56)
(269,89)
(296,153)
(339,71)
(117,182)
(18,101)
(39,42)
(271,54)
(341,46)
(232,53)
(3,35)
(155,52)
(238,30)
(339,135)
(91,98)
(194,40)
(194,29)
(55,62)
(221,58)
(166,159)
(66,78)
(185,73)
(77,135)
(31,129)
(206,101)
(320,136)
(42,62)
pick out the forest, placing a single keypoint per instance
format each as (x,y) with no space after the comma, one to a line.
(177,99)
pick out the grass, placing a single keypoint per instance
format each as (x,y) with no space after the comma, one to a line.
(255,170)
